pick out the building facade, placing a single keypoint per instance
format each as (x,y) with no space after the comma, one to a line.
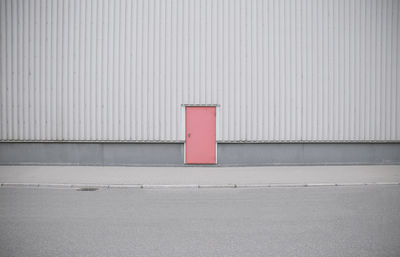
(109,82)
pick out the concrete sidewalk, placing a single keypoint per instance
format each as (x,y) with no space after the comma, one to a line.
(198,176)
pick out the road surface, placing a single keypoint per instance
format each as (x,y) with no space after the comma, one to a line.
(319,221)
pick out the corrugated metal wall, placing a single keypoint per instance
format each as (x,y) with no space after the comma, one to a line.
(281,70)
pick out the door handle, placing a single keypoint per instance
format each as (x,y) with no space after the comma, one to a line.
(189,134)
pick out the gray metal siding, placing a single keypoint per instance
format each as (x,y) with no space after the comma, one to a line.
(290,70)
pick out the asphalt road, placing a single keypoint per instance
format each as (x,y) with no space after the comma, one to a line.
(321,221)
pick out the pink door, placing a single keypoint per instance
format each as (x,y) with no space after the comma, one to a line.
(200,135)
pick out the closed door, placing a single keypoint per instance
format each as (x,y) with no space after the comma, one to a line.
(200,135)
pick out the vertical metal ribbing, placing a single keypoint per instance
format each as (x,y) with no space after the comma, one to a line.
(120,69)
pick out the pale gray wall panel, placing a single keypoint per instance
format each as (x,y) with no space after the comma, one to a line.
(281,70)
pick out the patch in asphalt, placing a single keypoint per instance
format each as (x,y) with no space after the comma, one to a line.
(87,189)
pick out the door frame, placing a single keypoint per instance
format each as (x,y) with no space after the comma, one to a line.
(183,129)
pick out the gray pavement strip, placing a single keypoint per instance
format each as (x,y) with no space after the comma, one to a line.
(187,186)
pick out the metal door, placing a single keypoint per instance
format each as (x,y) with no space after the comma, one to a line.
(200,135)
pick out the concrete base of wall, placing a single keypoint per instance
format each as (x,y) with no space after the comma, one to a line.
(307,154)
(172,154)
(108,154)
